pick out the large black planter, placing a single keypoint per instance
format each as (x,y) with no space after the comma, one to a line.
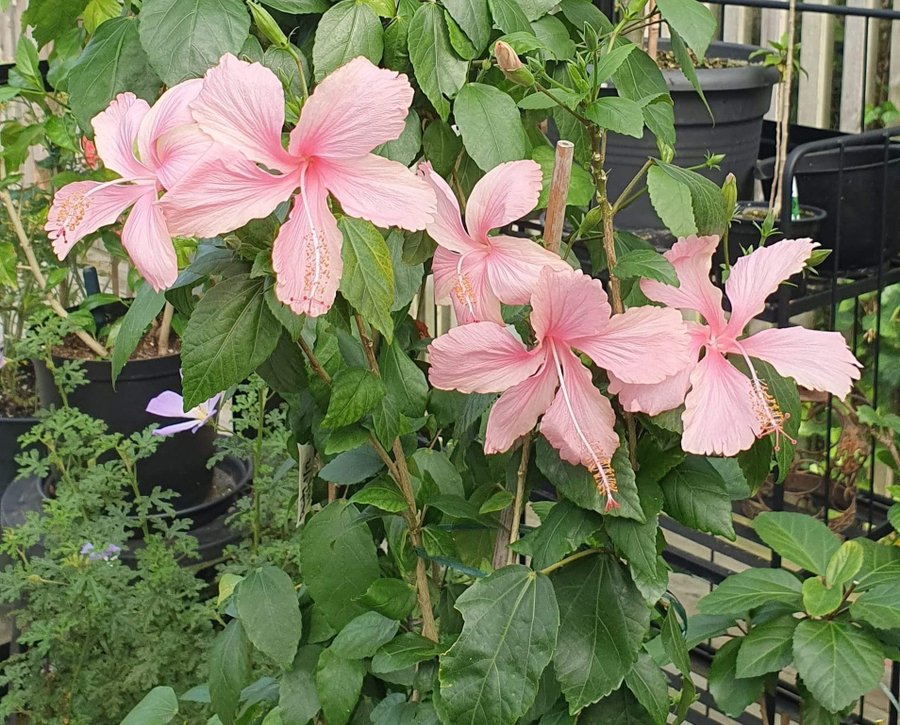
(179,463)
(738,98)
(10,430)
(744,234)
(859,192)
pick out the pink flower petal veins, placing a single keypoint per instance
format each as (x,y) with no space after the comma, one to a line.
(568,305)
(115,134)
(505,193)
(149,243)
(513,265)
(482,357)
(446,227)
(517,410)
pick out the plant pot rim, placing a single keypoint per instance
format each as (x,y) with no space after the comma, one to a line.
(139,369)
(714,80)
(816,214)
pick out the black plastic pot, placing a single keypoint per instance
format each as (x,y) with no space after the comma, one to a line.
(738,98)
(852,190)
(10,430)
(744,234)
(180,461)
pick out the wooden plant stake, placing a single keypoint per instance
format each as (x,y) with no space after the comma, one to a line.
(559,192)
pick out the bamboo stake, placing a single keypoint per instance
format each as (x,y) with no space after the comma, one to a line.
(559,193)
(165,329)
(784,115)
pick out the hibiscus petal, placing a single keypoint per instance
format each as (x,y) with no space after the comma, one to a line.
(168,404)
(354,109)
(756,276)
(242,106)
(149,243)
(642,345)
(692,259)
(306,256)
(517,410)
(446,227)
(514,265)
(83,207)
(222,194)
(383,191)
(177,151)
(466,285)
(567,304)
(505,193)
(655,398)
(579,423)
(115,132)
(718,412)
(816,359)
(168,113)
(483,357)
(167,430)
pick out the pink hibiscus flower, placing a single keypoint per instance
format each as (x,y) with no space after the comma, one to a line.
(150,148)
(169,404)
(353,110)
(476,271)
(725,410)
(569,310)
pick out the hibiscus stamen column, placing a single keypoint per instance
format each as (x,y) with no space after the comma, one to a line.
(769,414)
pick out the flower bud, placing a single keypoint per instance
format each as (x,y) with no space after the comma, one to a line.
(729,191)
(511,65)
(267,25)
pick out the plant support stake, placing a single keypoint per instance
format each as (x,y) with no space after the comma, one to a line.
(559,193)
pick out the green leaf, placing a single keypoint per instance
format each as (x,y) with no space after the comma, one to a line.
(159,707)
(459,40)
(368,279)
(563,530)
(695,494)
(584,12)
(879,606)
(268,609)
(638,78)
(383,8)
(491,673)
(799,537)
(611,61)
(687,202)
(490,125)
(283,64)
(146,305)
(184,38)
(404,381)
(297,696)
(497,502)
(767,647)
(439,71)
(603,620)
(338,683)
(364,636)
(393,598)
(404,651)
(297,7)
(686,64)
(229,670)
(636,543)
(535,9)
(819,600)
(441,146)
(617,114)
(554,35)
(51,18)
(230,333)
(336,540)
(98,12)
(354,392)
(473,18)
(381,493)
(405,148)
(346,30)
(509,16)
(581,184)
(732,694)
(112,62)
(352,466)
(837,662)
(619,708)
(285,369)
(753,588)
(646,264)
(881,565)
(692,21)
(650,687)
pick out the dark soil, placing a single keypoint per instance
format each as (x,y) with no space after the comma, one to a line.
(759,215)
(74,349)
(666,61)
(18,398)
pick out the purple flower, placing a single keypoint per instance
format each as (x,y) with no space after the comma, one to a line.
(108,554)
(170,404)
(87,548)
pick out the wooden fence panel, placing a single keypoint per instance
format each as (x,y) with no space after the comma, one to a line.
(860,57)
(817,60)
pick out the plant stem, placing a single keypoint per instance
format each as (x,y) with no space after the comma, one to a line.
(257,461)
(400,473)
(518,501)
(38,275)
(165,329)
(562,105)
(623,197)
(568,560)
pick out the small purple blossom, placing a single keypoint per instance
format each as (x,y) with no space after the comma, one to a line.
(87,548)
(108,554)
(170,404)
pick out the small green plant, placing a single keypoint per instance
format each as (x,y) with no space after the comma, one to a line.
(831,621)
